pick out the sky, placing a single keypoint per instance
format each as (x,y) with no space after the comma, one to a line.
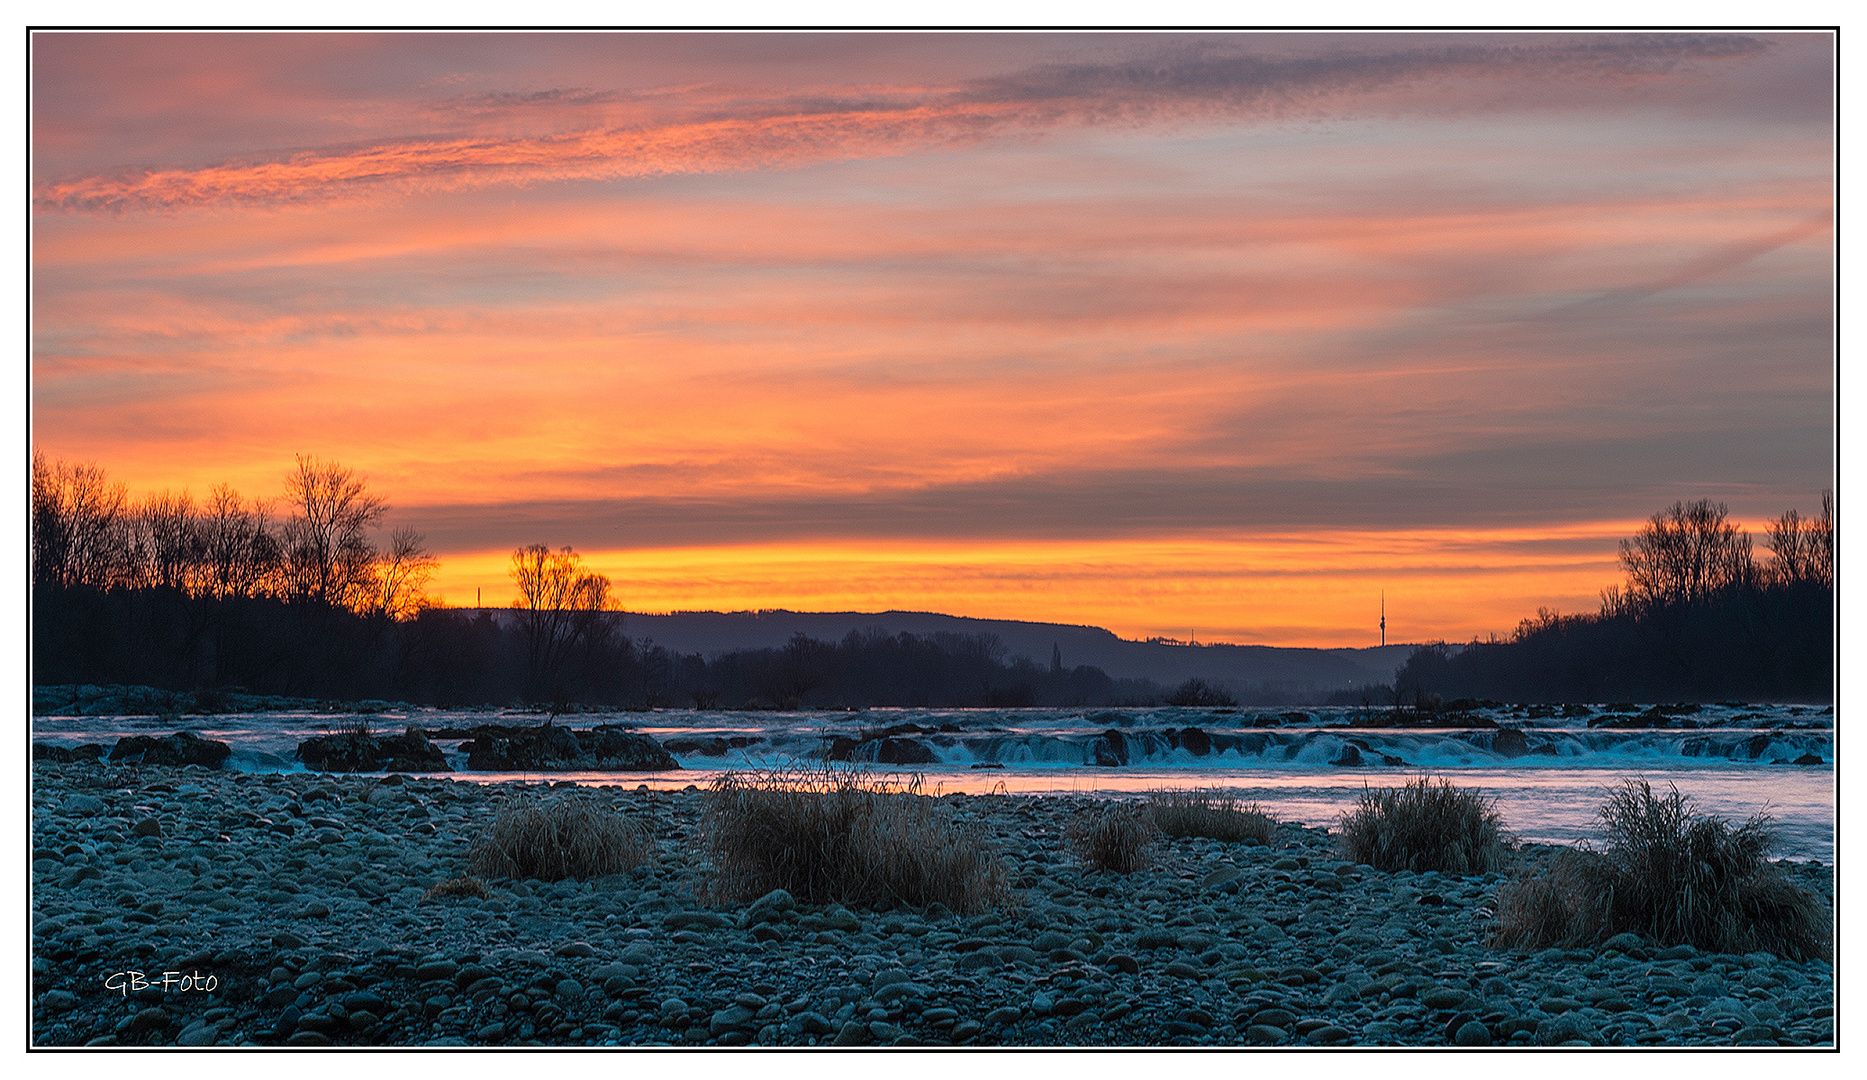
(1235,336)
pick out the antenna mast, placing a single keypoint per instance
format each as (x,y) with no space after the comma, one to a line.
(1383,618)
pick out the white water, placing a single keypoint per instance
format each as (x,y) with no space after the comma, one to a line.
(1735,764)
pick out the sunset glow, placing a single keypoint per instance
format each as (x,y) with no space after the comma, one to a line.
(1225,334)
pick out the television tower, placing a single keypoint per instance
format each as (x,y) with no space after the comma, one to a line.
(1384,618)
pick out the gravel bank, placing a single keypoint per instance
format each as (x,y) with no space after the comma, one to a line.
(291,908)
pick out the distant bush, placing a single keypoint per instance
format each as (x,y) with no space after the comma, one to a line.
(1195,692)
(1117,837)
(1215,815)
(835,835)
(1670,875)
(1425,825)
(568,837)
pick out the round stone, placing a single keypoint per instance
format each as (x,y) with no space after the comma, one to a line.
(1472,1033)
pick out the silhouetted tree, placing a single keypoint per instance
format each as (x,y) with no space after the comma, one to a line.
(328,555)
(167,547)
(1802,549)
(402,571)
(78,525)
(239,553)
(561,607)
(1686,553)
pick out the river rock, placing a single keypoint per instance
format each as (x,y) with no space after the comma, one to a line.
(83,805)
(65,755)
(552,748)
(359,751)
(1110,748)
(181,748)
(1472,1033)
(903,752)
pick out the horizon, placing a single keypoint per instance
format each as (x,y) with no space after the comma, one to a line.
(1156,640)
(1223,334)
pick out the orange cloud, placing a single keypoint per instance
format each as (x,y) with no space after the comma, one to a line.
(443,164)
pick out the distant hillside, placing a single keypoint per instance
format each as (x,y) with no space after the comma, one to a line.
(1242,669)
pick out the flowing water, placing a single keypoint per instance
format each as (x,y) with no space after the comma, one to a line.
(1547,773)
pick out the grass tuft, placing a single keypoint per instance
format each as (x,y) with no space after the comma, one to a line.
(1545,907)
(1213,814)
(459,887)
(1669,874)
(566,837)
(1426,825)
(1117,837)
(839,835)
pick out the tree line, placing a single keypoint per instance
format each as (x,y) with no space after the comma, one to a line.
(1698,618)
(88,533)
(294,597)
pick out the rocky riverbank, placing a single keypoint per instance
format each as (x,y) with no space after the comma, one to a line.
(295,909)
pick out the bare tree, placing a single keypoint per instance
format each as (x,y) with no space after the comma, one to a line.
(561,606)
(79,525)
(328,555)
(1803,549)
(168,541)
(402,572)
(240,555)
(1686,553)
(51,535)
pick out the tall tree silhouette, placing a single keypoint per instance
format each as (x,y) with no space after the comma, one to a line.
(328,555)
(561,606)
(1803,549)
(1686,553)
(240,554)
(78,525)
(402,570)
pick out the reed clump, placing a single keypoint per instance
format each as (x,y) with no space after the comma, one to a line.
(1118,837)
(1425,825)
(828,835)
(1213,814)
(570,836)
(1668,874)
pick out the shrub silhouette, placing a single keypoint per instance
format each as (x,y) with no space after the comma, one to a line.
(1195,692)
(1426,825)
(1668,874)
(1215,815)
(835,835)
(567,837)
(1117,837)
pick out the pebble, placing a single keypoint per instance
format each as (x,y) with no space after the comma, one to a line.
(324,937)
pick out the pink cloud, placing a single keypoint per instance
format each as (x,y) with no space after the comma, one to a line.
(724,133)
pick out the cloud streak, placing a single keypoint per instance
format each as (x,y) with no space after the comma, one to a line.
(790,133)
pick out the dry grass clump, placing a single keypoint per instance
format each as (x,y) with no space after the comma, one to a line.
(1670,875)
(1118,837)
(1544,907)
(455,888)
(1426,825)
(838,835)
(1214,814)
(566,837)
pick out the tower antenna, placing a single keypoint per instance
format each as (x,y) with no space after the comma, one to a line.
(1383,618)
